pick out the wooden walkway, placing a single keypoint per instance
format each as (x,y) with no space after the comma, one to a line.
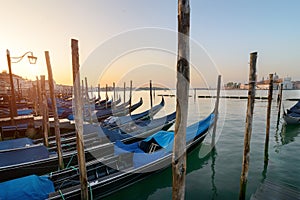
(209,96)
(270,191)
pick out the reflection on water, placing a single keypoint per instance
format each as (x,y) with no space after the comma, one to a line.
(286,135)
(217,174)
(151,188)
(213,173)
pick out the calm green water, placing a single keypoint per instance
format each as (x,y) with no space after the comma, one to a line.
(217,174)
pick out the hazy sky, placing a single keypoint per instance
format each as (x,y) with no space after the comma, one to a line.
(121,40)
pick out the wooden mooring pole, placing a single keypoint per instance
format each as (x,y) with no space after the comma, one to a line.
(213,140)
(35,103)
(279,104)
(55,115)
(106,96)
(88,100)
(114,90)
(38,86)
(270,95)
(99,97)
(151,98)
(248,127)
(124,92)
(130,97)
(45,114)
(79,120)
(182,95)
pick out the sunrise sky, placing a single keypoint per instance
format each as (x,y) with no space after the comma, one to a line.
(122,40)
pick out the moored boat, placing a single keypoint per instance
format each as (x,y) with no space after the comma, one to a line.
(292,115)
(37,159)
(140,160)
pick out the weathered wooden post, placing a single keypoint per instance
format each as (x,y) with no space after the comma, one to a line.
(88,100)
(83,96)
(91,91)
(82,89)
(55,115)
(270,95)
(99,97)
(279,104)
(130,97)
(106,96)
(35,104)
(39,96)
(213,141)
(182,95)
(79,120)
(114,89)
(248,127)
(45,114)
(18,84)
(124,92)
(21,92)
(151,99)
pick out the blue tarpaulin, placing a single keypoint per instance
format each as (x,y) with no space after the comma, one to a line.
(23,155)
(26,188)
(164,139)
(15,143)
(296,107)
(24,111)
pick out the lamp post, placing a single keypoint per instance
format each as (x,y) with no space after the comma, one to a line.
(32,60)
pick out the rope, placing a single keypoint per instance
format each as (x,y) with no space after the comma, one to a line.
(91,192)
(61,194)
(70,160)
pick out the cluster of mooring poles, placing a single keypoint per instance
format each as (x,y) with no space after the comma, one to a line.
(182,96)
(249,119)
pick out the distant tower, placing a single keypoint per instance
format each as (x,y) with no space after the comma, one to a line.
(276,77)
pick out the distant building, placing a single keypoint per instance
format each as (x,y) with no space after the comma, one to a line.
(296,85)
(22,86)
(244,86)
(287,83)
(232,86)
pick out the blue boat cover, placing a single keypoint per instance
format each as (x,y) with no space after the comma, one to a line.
(25,111)
(296,107)
(294,114)
(70,117)
(165,139)
(23,155)
(26,188)
(16,143)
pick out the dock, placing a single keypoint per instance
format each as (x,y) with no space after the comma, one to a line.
(211,96)
(9,131)
(269,190)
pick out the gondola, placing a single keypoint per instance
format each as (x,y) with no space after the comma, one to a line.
(118,111)
(112,123)
(115,121)
(36,158)
(128,133)
(108,104)
(292,115)
(140,160)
